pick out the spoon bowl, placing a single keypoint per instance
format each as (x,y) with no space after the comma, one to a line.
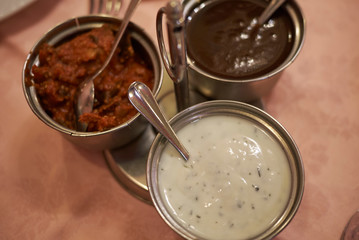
(143,100)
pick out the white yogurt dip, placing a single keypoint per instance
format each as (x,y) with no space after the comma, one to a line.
(236,184)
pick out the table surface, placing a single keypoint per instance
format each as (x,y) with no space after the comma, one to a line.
(51,189)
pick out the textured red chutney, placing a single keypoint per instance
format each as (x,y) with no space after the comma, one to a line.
(62,68)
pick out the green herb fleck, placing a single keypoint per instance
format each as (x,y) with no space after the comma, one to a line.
(255,187)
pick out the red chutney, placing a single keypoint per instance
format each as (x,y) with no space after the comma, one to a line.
(62,68)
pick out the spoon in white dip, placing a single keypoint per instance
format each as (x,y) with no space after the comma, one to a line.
(143,100)
(86,90)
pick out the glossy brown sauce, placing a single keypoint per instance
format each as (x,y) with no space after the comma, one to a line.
(63,67)
(220,42)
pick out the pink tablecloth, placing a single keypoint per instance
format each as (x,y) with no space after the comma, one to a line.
(51,189)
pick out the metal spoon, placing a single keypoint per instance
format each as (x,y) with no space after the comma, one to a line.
(269,10)
(252,30)
(143,100)
(86,92)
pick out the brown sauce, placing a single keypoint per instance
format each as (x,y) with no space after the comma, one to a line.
(62,68)
(220,42)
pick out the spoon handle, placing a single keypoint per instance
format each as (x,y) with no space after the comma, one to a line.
(143,100)
(269,10)
(86,95)
(125,21)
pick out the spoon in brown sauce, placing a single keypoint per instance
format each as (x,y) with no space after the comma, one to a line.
(269,10)
(86,90)
(253,28)
(143,100)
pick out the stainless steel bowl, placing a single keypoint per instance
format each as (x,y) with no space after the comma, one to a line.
(108,139)
(241,110)
(249,89)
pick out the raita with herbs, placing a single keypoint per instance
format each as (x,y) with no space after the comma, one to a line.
(236,183)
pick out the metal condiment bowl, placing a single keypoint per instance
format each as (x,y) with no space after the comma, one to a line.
(249,89)
(241,110)
(117,136)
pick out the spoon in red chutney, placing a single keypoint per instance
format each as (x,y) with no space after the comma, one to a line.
(86,90)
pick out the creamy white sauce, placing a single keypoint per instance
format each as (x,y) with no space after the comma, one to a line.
(236,183)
